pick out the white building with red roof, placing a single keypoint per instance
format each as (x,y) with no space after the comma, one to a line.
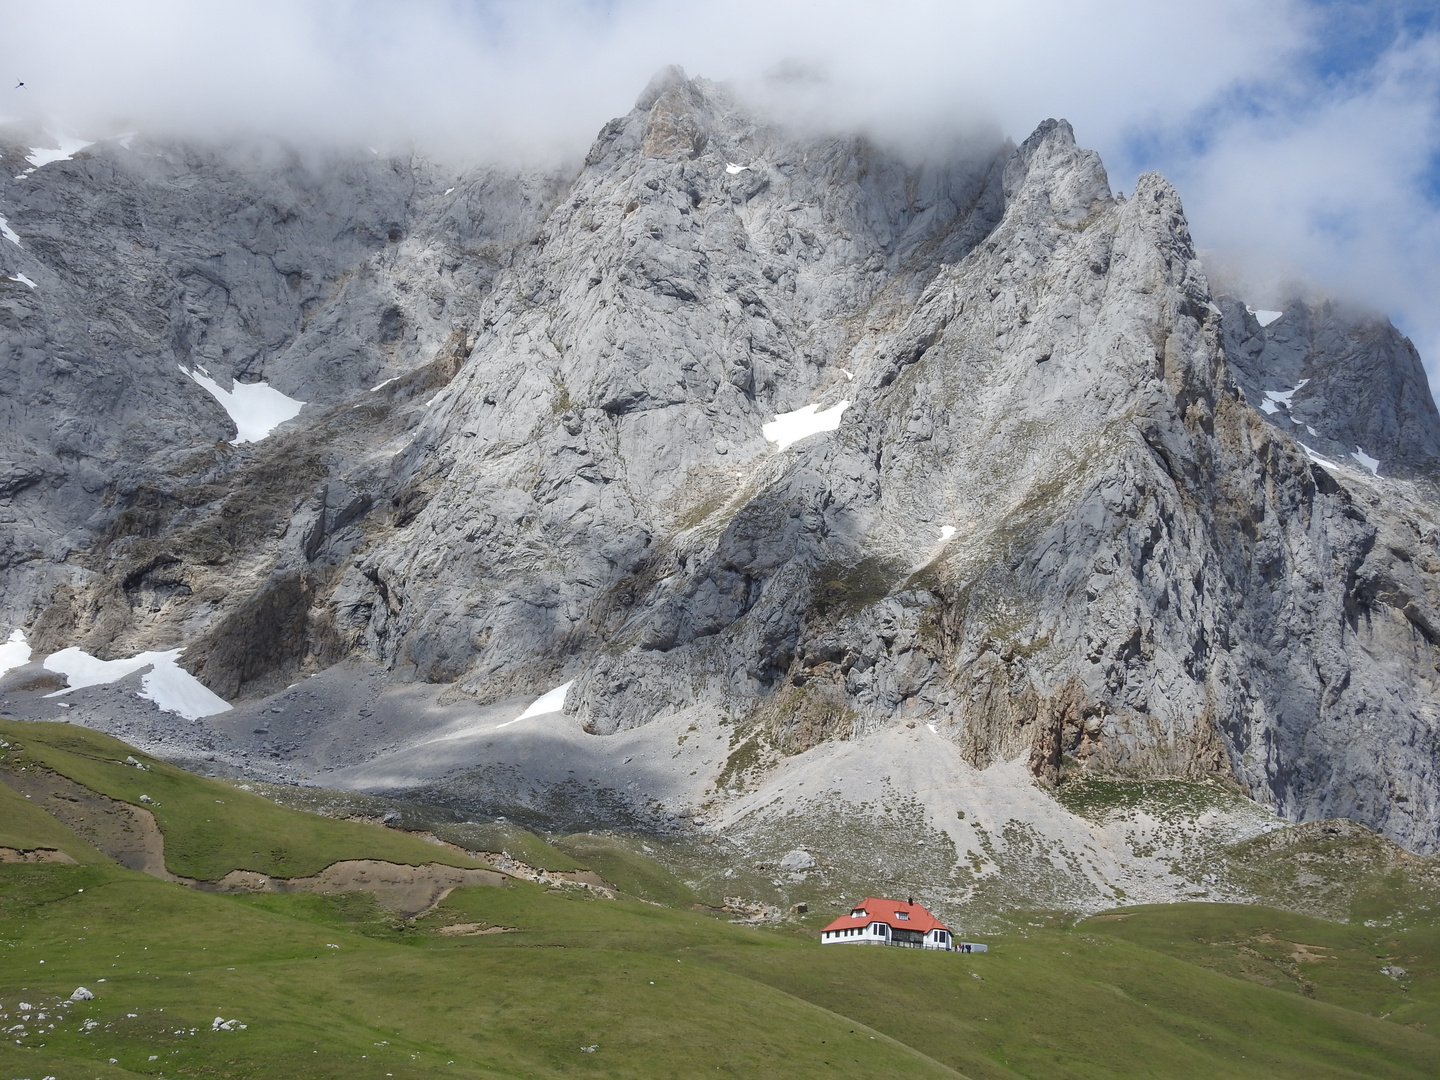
(877,921)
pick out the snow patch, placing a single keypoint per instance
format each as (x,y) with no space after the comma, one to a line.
(381,386)
(256,408)
(733,169)
(1263,317)
(167,684)
(23,280)
(1320,460)
(849,375)
(9,233)
(40,156)
(791,427)
(448,190)
(1278,399)
(1373,464)
(15,652)
(175,690)
(946,532)
(550,702)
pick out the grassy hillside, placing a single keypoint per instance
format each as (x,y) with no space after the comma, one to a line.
(1381,971)
(210,827)
(661,992)
(627,869)
(526,981)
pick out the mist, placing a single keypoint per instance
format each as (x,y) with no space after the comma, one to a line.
(1304,159)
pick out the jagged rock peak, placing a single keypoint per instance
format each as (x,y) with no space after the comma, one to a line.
(667,78)
(1050,173)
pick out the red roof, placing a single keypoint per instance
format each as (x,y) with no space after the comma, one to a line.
(877,909)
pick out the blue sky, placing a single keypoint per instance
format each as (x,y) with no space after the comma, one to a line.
(1303,135)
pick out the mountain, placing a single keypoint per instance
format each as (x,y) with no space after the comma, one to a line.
(1055,510)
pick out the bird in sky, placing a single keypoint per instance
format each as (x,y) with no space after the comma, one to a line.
(19,84)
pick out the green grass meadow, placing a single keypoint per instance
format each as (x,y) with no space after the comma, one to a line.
(650,983)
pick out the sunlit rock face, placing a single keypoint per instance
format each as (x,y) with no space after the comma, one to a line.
(782,427)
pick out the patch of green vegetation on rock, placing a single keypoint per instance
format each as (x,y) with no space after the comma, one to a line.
(1101,799)
(747,754)
(705,508)
(843,589)
(798,718)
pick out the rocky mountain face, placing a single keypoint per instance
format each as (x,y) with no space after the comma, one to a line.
(1061,502)
(132,263)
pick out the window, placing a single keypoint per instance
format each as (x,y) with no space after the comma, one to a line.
(858,913)
(903,915)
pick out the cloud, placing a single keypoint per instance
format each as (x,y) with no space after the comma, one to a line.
(548,74)
(1301,130)
(1332,187)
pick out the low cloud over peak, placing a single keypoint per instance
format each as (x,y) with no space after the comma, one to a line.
(1306,133)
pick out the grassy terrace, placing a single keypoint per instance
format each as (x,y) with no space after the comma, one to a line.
(515,981)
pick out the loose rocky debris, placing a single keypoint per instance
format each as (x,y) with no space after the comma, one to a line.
(409,890)
(750,912)
(33,855)
(473,929)
(581,879)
